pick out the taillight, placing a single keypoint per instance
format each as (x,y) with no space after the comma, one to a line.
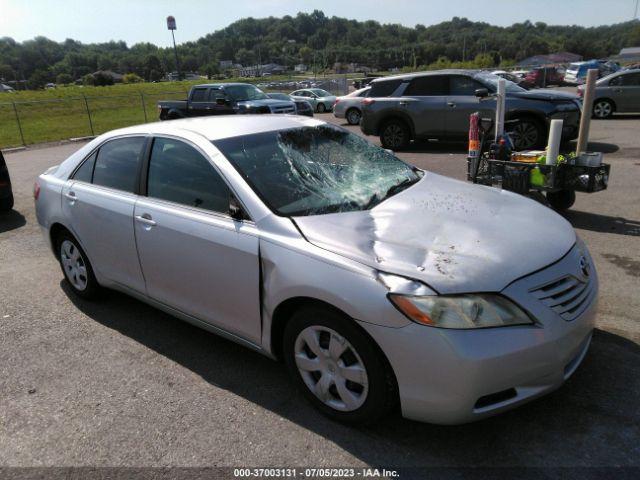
(36,190)
(580,92)
(368,101)
(336,102)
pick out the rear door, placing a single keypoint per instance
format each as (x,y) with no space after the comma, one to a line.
(424,100)
(98,202)
(462,102)
(625,92)
(195,257)
(199,103)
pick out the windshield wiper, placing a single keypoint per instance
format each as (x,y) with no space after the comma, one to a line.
(398,187)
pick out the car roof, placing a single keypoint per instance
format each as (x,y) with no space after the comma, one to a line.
(218,85)
(222,126)
(411,76)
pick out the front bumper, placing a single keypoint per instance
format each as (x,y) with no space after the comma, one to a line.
(457,376)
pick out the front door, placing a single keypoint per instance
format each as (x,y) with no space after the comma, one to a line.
(462,102)
(98,203)
(195,258)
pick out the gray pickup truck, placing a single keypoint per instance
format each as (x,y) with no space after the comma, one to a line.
(437,105)
(223,99)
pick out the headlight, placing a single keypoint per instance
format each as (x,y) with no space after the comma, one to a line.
(461,311)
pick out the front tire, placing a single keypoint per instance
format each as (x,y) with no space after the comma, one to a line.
(395,135)
(321,108)
(602,109)
(338,368)
(76,267)
(526,134)
(353,116)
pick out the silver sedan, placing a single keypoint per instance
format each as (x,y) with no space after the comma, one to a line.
(375,282)
(350,106)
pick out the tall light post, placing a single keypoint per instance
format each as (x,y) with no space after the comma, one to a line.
(171,25)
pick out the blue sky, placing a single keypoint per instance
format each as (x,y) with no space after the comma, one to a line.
(144,20)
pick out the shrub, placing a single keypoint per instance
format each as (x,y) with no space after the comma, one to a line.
(132,78)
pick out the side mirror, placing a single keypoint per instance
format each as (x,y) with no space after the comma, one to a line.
(235,209)
(482,92)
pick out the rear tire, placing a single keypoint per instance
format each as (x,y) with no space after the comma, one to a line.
(76,267)
(337,367)
(353,116)
(561,200)
(602,109)
(395,135)
(321,108)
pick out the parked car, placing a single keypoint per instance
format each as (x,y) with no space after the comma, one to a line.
(437,105)
(541,77)
(302,106)
(350,106)
(618,92)
(520,81)
(223,99)
(321,100)
(6,192)
(374,281)
(359,83)
(577,71)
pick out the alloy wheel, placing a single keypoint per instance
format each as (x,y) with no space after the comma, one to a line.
(331,368)
(73,265)
(393,135)
(353,117)
(321,108)
(525,135)
(602,109)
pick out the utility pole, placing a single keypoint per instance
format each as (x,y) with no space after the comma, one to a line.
(171,25)
(635,14)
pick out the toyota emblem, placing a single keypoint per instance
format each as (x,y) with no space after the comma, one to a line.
(585,268)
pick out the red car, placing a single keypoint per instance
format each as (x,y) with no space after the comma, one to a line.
(544,76)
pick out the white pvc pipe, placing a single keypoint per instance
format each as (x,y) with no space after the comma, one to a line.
(500,106)
(587,106)
(555,137)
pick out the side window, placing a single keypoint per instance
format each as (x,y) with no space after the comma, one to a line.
(117,163)
(461,85)
(384,88)
(215,94)
(631,79)
(199,95)
(428,86)
(85,172)
(615,81)
(364,94)
(179,173)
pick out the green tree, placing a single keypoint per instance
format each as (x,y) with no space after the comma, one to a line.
(132,78)
(64,79)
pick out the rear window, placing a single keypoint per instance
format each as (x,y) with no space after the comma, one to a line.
(385,88)
(117,164)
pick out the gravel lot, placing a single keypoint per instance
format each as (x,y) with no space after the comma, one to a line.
(118,383)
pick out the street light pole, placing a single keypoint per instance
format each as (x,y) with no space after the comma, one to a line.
(171,25)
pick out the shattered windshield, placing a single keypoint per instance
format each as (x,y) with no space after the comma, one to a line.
(317,170)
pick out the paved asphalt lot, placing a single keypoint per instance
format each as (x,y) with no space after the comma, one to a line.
(118,383)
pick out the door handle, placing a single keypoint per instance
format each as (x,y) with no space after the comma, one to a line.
(451,104)
(146,219)
(71,195)
(402,103)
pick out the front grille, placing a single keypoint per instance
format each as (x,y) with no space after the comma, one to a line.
(568,296)
(286,109)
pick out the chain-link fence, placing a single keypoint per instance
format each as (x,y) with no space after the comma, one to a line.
(36,121)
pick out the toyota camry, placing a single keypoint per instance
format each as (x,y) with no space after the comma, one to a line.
(375,282)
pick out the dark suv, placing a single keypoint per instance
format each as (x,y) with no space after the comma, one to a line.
(437,105)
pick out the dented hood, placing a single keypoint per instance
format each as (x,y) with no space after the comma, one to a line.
(454,236)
